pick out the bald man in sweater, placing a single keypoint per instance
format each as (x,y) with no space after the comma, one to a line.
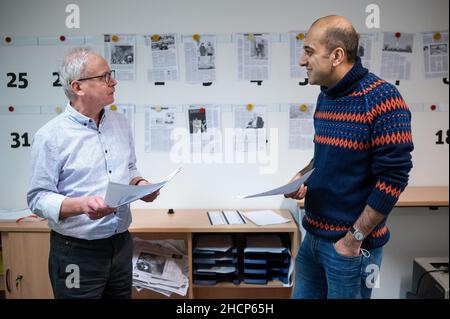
(362,159)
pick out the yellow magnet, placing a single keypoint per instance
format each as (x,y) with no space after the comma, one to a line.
(156,38)
(251,37)
(115,38)
(437,36)
(58,109)
(249,107)
(300,36)
(158,108)
(303,107)
(113,107)
(196,37)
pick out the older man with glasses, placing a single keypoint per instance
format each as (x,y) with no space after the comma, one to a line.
(73,158)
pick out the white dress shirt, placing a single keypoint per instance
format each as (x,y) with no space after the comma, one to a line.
(71,157)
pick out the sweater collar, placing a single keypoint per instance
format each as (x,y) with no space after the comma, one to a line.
(348,82)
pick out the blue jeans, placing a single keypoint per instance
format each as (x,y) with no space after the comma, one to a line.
(91,269)
(321,272)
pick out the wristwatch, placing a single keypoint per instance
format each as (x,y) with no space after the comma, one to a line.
(357,234)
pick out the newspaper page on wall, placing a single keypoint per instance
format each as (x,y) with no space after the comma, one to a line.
(200,58)
(253,51)
(250,128)
(120,52)
(160,265)
(296,41)
(365,49)
(159,124)
(204,128)
(301,127)
(127,110)
(397,55)
(435,54)
(162,57)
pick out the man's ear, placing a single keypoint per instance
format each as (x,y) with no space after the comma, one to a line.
(338,56)
(76,88)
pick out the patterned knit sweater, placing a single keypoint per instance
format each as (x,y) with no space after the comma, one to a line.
(362,155)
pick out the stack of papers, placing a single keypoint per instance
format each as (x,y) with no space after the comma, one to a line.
(266,258)
(160,265)
(225,217)
(215,259)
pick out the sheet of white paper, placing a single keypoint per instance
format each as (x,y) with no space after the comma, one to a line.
(218,269)
(265,217)
(264,244)
(214,243)
(286,189)
(217,218)
(120,52)
(233,217)
(121,194)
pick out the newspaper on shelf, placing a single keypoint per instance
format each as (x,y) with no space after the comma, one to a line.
(161,266)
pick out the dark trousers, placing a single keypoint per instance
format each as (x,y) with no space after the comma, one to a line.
(89,269)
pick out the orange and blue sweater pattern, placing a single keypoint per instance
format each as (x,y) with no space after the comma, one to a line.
(362,155)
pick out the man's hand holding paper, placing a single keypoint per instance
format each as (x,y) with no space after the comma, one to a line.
(300,193)
(121,194)
(150,197)
(293,187)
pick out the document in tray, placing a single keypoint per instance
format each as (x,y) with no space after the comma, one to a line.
(214,242)
(265,217)
(225,217)
(264,244)
(286,189)
(121,194)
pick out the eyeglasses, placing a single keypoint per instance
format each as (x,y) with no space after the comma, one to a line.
(107,77)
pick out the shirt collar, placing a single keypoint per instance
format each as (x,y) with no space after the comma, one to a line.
(81,118)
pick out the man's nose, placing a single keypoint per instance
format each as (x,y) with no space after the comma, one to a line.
(303,60)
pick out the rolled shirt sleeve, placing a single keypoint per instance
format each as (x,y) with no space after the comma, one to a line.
(43,197)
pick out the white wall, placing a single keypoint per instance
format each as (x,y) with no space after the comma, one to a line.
(201,185)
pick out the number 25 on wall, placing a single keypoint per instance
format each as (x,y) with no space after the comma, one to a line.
(18,80)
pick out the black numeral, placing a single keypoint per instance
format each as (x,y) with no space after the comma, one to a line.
(57,82)
(440,137)
(16,140)
(23,82)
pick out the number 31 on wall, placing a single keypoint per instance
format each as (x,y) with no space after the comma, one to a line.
(19,140)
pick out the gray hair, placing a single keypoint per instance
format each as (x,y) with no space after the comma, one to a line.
(74,67)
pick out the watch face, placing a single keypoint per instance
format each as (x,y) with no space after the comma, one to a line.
(358,235)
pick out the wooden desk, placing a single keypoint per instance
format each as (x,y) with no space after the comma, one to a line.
(26,249)
(419,196)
